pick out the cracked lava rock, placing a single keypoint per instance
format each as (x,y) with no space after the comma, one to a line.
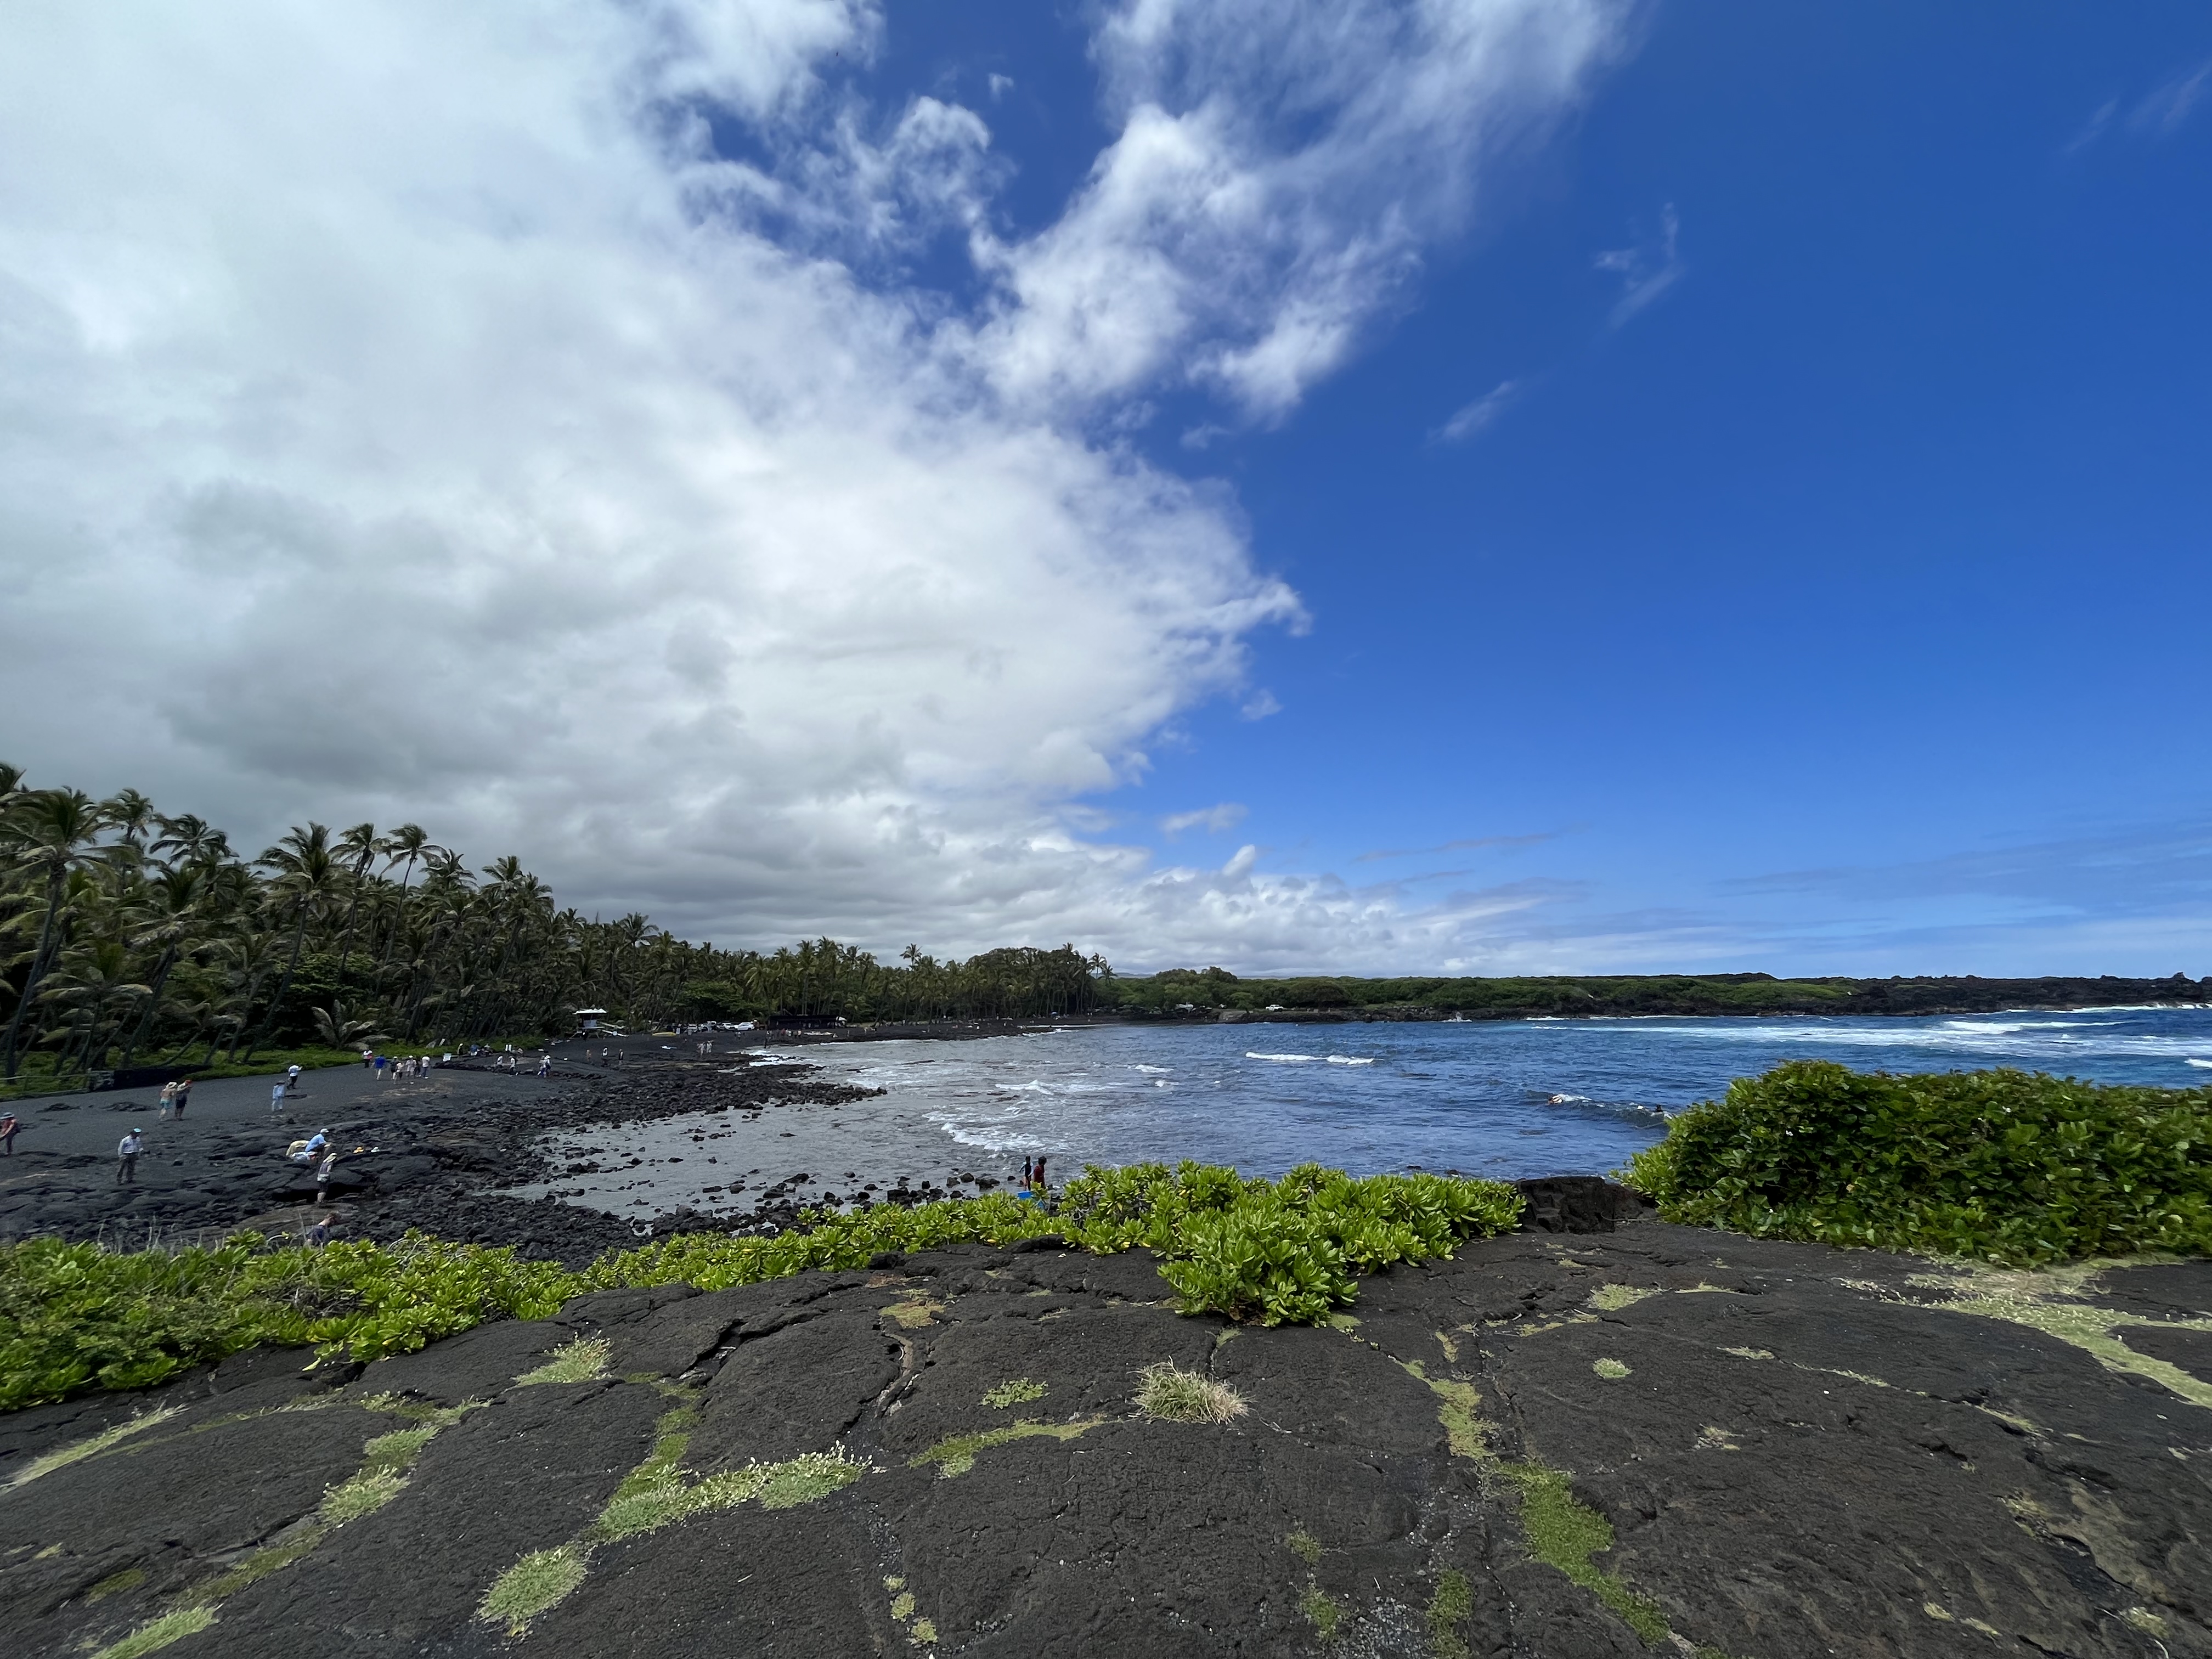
(1653,1440)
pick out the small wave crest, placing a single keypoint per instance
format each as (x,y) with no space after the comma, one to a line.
(1287,1059)
(1346,1059)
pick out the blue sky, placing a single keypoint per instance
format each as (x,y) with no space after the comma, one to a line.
(1485,487)
(1840,605)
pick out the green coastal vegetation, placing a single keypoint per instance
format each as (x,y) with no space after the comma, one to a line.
(2007,1166)
(76,1317)
(131,936)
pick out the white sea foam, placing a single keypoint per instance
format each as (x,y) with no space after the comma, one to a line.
(2007,1027)
(1346,1059)
(2205,1064)
(1156,1071)
(1288,1059)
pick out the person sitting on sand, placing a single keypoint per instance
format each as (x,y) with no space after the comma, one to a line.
(318,1141)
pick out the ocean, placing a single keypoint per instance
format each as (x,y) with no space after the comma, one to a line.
(1498,1098)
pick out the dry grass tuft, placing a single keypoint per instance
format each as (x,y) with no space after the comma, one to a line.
(1175,1396)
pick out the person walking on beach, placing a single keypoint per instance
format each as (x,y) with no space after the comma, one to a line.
(1036,1177)
(292,1079)
(126,1158)
(168,1102)
(276,1097)
(8,1128)
(184,1096)
(545,1065)
(368,1059)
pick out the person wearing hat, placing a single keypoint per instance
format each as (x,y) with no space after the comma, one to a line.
(126,1158)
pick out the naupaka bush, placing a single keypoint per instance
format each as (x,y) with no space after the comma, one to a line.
(2010,1166)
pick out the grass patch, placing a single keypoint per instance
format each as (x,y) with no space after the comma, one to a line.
(1304,1544)
(259,1565)
(807,1478)
(1174,1395)
(1324,1615)
(92,1445)
(913,1313)
(1448,1609)
(364,1494)
(116,1582)
(1612,1369)
(1463,1431)
(152,1637)
(1019,1392)
(1610,1298)
(584,1360)
(956,1454)
(2002,1165)
(1565,1533)
(531,1586)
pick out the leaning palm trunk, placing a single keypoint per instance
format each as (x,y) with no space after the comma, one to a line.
(153,1003)
(284,985)
(56,883)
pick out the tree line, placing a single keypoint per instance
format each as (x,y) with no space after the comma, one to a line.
(129,936)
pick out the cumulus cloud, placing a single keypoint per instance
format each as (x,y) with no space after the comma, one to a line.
(1214,820)
(409,411)
(1278,172)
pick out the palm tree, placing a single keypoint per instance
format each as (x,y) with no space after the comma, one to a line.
(360,847)
(192,841)
(133,814)
(49,833)
(337,1031)
(408,842)
(170,915)
(307,877)
(89,983)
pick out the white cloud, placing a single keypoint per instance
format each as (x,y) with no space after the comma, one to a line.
(2166,108)
(1214,820)
(1647,269)
(405,413)
(1278,172)
(1471,420)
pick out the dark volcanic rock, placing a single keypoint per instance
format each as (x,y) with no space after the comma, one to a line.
(1579,1204)
(1791,1451)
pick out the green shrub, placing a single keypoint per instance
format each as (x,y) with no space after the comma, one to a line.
(2006,1165)
(75,1317)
